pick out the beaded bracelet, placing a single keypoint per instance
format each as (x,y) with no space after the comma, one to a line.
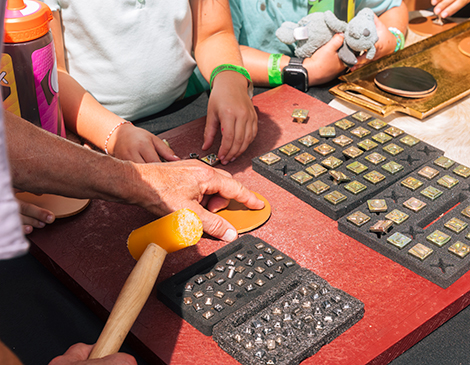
(111,133)
(228,67)
(400,38)
(274,71)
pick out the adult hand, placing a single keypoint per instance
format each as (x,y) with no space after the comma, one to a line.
(78,355)
(194,185)
(324,65)
(129,142)
(33,216)
(230,107)
(448,7)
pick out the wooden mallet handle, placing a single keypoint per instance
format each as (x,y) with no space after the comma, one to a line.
(131,299)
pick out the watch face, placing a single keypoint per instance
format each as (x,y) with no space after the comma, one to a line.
(296,77)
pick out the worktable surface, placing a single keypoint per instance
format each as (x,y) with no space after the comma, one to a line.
(88,253)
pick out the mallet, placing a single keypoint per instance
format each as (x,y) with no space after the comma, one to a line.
(149,245)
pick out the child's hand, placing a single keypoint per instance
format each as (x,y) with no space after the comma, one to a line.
(33,216)
(447,8)
(78,354)
(231,108)
(139,145)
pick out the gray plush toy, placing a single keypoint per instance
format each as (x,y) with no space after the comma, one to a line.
(316,29)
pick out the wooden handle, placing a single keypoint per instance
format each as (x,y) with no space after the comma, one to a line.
(131,299)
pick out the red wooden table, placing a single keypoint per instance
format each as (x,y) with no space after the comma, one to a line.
(88,253)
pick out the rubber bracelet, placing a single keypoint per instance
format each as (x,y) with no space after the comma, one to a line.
(274,71)
(228,67)
(111,133)
(400,38)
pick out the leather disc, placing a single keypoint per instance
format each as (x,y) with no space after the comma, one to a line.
(409,82)
(244,219)
(61,206)
(424,26)
(464,46)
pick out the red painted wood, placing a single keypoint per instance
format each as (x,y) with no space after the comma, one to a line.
(88,252)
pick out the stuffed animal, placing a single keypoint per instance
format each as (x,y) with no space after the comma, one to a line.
(316,29)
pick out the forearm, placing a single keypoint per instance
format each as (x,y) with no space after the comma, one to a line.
(396,17)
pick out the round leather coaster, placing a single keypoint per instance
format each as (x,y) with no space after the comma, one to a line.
(409,82)
(61,206)
(244,219)
(464,46)
(424,26)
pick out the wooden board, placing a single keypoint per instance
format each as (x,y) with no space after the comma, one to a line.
(88,253)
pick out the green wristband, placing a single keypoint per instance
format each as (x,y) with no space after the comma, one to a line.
(228,67)
(400,38)
(274,71)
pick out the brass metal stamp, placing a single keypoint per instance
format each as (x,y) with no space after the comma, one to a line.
(342,140)
(305,158)
(335,197)
(327,132)
(375,158)
(339,177)
(420,251)
(361,116)
(428,172)
(377,124)
(377,205)
(308,141)
(211,159)
(300,115)
(270,158)
(316,170)
(289,149)
(382,137)
(355,187)
(318,187)
(367,145)
(331,162)
(394,131)
(324,149)
(411,183)
(462,170)
(381,226)
(392,167)
(444,162)
(344,124)
(460,249)
(393,149)
(456,225)
(358,218)
(360,132)
(399,240)
(439,238)
(374,177)
(397,216)
(414,204)
(410,140)
(448,181)
(301,177)
(431,192)
(352,152)
(357,167)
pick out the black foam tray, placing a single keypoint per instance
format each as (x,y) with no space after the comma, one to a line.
(412,157)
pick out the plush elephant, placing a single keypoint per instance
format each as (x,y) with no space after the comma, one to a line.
(316,29)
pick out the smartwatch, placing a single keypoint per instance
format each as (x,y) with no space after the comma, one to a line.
(295,75)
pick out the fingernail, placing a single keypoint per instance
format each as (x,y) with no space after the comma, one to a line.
(50,218)
(230,235)
(233,159)
(41,224)
(27,229)
(177,157)
(221,158)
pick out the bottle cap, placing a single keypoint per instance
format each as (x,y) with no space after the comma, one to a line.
(26,20)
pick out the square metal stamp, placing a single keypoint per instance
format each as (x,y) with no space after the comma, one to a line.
(411,183)
(289,149)
(448,181)
(327,132)
(382,137)
(343,140)
(428,172)
(456,225)
(339,177)
(352,152)
(361,116)
(431,192)
(392,167)
(410,140)
(381,226)
(301,177)
(375,158)
(308,141)
(358,218)
(270,158)
(377,205)
(377,124)
(444,162)
(324,149)
(357,167)
(466,212)
(397,216)
(211,159)
(318,187)
(394,131)
(420,251)
(374,177)
(335,197)
(331,162)
(305,158)
(399,240)
(316,170)
(367,145)
(344,124)
(460,249)
(360,132)
(393,149)
(355,187)
(439,238)
(300,115)
(462,170)
(414,204)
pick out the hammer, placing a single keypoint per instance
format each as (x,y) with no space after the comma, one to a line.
(149,245)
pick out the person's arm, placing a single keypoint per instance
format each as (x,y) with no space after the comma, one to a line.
(85,116)
(230,106)
(447,8)
(57,166)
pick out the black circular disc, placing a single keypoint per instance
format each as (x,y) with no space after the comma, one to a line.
(410,82)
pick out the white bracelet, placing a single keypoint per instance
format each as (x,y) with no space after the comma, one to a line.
(111,133)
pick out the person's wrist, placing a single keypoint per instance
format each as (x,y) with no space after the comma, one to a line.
(111,138)
(226,67)
(399,38)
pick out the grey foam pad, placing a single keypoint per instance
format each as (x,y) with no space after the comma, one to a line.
(409,154)
(439,226)
(289,322)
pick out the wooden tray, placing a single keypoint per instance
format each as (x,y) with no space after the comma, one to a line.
(439,55)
